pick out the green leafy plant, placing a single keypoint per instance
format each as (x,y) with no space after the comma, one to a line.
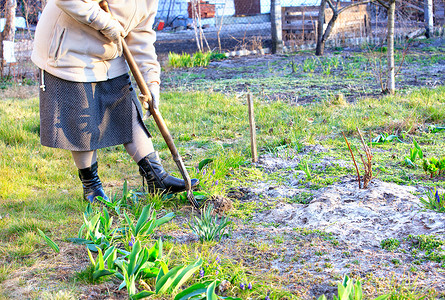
(206,227)
(216,56)
(96,232)
(104,264)
(169,281)
(385,138)
(201,291)
(414,153)
(198,59)
(434,201)
(146,223)
(132,270)
(390,244)
(309,65)
(435,128)
(304,166)
(50,242)
(348,290)
(433,166)
(128,200)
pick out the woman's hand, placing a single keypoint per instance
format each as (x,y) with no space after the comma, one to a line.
(155,96)
(114,32)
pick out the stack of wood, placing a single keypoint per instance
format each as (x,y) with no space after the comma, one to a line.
(203,8)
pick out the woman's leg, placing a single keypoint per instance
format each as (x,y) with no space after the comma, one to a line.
(86,162)
(84,159)
(141,145)
(150,167)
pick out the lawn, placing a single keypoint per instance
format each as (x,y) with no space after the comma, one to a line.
(298,223)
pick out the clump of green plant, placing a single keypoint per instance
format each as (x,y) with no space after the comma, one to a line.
(426,242)
(434,201)
(433,166)
(309,65)
(390,244)
(385,138)
(198,59)
(208,227)
(348,290)
(128,200)
(414,153)
(304,166)
(435,128)
(427,248)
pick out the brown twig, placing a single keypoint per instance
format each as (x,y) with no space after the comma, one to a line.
(368,164)
(353,158)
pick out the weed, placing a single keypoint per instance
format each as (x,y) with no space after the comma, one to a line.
(302,198)
(425,242)
(348,289)
(208,227)
(390,244)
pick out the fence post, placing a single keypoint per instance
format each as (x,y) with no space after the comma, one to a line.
(252,128)
(275,22)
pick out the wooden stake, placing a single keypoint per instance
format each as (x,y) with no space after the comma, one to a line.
(252,128)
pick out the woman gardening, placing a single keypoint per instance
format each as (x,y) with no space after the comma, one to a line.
(87,101)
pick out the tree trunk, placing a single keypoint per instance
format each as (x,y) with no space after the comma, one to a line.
(9,29)
(322,37)
(429,23)
(391,86)
(320,44)
(276,29)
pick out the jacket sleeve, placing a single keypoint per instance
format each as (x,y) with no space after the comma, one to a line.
(85,11)
(141,41)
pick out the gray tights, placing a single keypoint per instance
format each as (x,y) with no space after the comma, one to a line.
(140,147)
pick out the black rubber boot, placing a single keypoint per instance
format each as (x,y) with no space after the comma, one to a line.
(92,187)
(158,180)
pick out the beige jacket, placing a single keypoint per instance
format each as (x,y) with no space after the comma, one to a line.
(68,43)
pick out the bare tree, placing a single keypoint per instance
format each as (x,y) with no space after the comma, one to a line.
(9,29)
(429,25)
(275,18)
(390,6)
(334,5)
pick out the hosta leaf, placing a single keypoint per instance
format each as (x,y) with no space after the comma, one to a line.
(185,274)
(204,162)
(50,242)
(132,258)
(103,272)
(143,218)
(383,297)
(194,290)
(358,291)
(164,219)
(210,293)
(143,294)
(165,282)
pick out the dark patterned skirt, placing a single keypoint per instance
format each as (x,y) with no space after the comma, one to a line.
(82,116)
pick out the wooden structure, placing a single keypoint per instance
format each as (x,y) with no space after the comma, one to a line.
(414,9)
(301,22)
(247,7)
(205,9)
